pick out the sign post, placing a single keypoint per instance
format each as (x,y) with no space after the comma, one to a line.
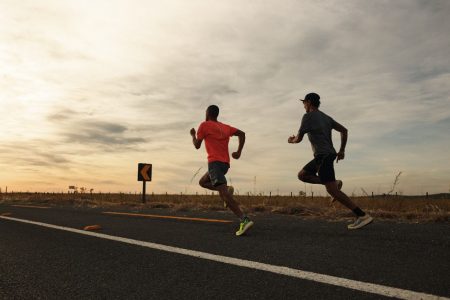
(144,175)
(143,191)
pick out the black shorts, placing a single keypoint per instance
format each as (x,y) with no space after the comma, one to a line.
(217,171)
(322,164)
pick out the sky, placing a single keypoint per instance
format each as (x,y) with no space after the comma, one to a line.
(89,89)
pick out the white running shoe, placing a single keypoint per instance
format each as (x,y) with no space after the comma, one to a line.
(231,191)
(361,222)
(339,184)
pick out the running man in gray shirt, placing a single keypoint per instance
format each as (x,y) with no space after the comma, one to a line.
(318,126)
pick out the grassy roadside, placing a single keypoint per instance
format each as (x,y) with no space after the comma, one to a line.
(403,209)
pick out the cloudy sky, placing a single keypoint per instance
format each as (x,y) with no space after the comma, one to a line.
(88,89)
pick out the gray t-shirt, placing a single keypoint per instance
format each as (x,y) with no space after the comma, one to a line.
(318,126)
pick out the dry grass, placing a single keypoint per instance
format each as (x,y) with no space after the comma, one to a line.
(400,208)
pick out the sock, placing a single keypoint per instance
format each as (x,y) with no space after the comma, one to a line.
(243,218)
(357,211)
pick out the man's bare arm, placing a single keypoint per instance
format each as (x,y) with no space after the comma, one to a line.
(197,143)
(295,139)
(344,137)
(241,136)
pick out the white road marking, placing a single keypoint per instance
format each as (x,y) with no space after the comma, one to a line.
(322,278)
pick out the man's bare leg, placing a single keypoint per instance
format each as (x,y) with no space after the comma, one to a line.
(333,190)
(362,219)
(206,183)
(245,222)
(228,198)
(308,177)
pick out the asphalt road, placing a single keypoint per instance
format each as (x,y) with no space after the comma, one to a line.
(43,263)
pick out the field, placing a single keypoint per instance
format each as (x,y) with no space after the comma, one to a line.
(435,208)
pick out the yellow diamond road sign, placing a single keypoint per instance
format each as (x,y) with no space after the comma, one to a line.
(144,172)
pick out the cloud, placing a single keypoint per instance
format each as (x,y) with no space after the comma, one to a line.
(61,115)
(104,85)
(32,153)
(76,127)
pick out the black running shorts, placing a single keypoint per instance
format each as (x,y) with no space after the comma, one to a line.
(217,171)
(323,165)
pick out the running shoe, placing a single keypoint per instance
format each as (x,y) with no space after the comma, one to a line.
(244,226)
(361,222)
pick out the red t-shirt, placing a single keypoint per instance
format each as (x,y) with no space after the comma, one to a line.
(216,136)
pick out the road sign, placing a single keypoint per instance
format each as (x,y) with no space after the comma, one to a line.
(144,172)
(144,175)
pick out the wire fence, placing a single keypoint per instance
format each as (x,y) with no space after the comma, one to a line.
(137,196)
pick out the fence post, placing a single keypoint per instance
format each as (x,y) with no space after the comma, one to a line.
(427,195)
(312,195)
(270,194)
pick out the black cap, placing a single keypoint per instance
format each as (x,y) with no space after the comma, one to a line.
(313,98)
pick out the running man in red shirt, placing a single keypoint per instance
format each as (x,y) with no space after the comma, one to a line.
(216,136)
